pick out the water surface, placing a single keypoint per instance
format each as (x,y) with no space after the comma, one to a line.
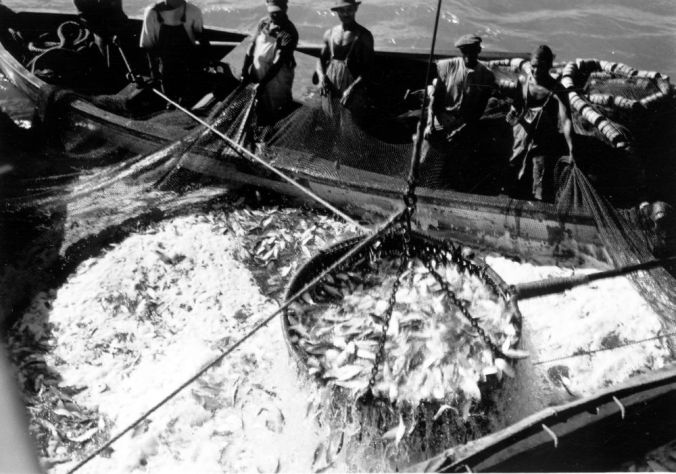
(639,33)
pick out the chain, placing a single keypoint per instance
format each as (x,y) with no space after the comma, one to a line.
(463,309)
(387,316)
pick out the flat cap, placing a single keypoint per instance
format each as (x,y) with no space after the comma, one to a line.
(468,40)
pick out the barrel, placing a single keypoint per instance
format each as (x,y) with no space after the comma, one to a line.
(648,74)
(611,132)
(505,62)
(600,76)
(516,64)
(591,115)
(653,100)
(604,100)
(507,85)
(624,70)
(625,103)
(577,102)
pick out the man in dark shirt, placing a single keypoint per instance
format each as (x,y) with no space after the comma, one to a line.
(171,32)
(459,96)
(270,62)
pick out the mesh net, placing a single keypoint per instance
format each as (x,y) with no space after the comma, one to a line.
(86,193)
(357,148)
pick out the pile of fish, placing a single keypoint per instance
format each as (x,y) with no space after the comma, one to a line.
(431,352)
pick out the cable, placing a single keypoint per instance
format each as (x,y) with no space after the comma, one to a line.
(239,148)
(258,327)
(417,149)
(604,349)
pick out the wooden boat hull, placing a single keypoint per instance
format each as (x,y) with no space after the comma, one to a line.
(513,226)
(596,433)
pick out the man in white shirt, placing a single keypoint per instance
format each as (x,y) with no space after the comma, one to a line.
(171,30)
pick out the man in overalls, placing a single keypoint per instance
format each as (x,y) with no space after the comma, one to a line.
(541,111)
(270,62)
(171,29)
(345,61)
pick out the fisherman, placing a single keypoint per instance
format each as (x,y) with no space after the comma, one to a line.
(171,30)
(458,98)
(113,35)
(540,110)
(105,18)
(269,62)
(345,61)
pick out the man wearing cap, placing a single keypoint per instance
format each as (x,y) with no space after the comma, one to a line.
(171,29)
(459,97)
(345,59)
(540,113)
(270,62)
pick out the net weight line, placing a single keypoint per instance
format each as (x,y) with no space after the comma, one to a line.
(605,349)
(367,240)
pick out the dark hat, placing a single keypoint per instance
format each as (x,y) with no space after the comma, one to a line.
(338,4)
(468,40)
(277,5)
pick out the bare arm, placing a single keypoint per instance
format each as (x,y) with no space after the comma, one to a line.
(245,74)
(433,91)
(366,55)
(323,61)
(566,124)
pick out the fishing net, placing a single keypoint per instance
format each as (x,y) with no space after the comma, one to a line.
(90,192)
(364,151)
(629,111)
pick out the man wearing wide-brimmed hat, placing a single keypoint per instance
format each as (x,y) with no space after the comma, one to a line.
(270,61)
(345,60)
(460,94)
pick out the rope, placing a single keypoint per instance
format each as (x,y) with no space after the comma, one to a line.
(604,349)
(415,161)
(534,289)
(258,327)
(240,149)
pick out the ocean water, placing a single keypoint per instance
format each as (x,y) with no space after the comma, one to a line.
(639,33)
